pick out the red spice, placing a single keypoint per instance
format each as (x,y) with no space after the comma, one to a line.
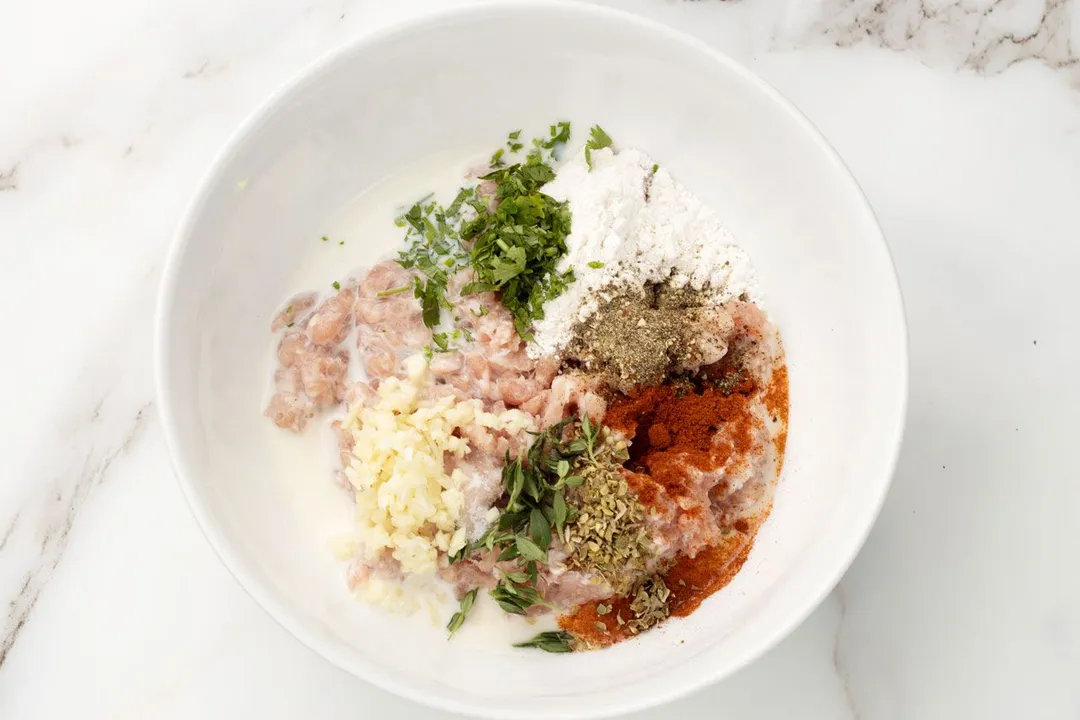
(672,427)
(659,436)
(777,403)
(582,622)
(691,580)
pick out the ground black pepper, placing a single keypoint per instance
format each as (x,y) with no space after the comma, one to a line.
(637,335)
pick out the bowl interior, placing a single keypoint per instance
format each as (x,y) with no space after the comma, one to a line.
(463,80)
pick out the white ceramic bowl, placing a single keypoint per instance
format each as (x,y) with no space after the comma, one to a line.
(462,79)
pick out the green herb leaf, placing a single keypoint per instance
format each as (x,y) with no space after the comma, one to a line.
(595,264)
(540,531)
(428,294)
(515,599)
(577,446)
(558,505)
(336,285)
(530,550)
(514,480)
(597,139)
(458,618)
(455,207)
(558,641)
(516,246)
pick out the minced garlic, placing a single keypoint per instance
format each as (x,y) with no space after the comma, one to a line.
(405,501)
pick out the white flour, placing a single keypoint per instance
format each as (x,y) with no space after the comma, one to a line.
(672,235)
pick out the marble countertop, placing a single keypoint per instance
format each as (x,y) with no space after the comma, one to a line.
(961,119)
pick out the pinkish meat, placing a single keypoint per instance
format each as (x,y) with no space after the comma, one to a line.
(289,407)
(295,311)
(330,324)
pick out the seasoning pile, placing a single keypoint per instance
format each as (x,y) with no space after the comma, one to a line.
(572,406)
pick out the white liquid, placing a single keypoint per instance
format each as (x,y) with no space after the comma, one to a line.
(306,463)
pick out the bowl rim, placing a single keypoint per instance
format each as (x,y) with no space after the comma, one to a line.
(831,573)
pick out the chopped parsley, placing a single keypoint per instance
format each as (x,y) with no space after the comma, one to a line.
(517,246)
(597,139)
(595,264)
(336,285)
(325,239)
(513,143)
(655,167)
(433,247)
(513,248)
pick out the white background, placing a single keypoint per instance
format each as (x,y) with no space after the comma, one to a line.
(960,119)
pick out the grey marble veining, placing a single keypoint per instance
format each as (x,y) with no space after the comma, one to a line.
(981,36)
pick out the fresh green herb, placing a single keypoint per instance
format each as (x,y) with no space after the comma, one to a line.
(595,264)
(325,239)
(558,641)
(515,598)
(559,135)
(458,619)
(289,309)
(516,246)
(290,324)
(529,549)
(597,139)
(455,207)
(655,167)
(341,242)
(393,291)
(512,141)
(558,505)
(429,294)
(433,248)
(536,510)
(336,285)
